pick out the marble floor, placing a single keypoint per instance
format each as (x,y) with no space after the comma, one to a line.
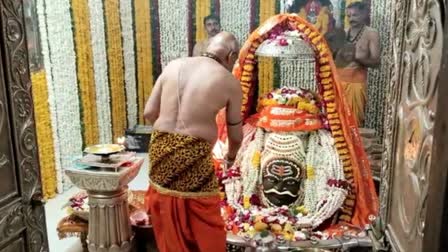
(54,213)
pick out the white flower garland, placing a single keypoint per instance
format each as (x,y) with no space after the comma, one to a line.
(101,76)
(40,7)
(65,82)
(129,59)
(173,30)
(298,74)
(235,18)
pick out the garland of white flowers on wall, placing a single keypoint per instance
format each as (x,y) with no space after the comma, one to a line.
(173,30)
(127,28)
(378,79)
(298,73)
(235,18)
(40,8)
(99,63)
(64,83)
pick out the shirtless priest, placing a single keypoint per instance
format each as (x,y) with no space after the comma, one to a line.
(183,196)
(360,52)
(212,27)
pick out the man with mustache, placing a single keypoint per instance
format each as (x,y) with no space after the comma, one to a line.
(282,183)
(360,52)
(212,27)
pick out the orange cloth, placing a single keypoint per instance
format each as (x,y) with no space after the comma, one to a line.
(183,198)
(186,224)
(283,118)
(354,84)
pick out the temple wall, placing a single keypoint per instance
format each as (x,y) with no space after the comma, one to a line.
(99,60)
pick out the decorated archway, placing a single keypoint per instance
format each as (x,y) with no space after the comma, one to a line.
(361,203)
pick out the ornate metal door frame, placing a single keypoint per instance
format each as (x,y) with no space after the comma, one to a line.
(22,222)
(413,177)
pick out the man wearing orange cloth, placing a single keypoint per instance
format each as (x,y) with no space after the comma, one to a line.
(183,196)
(361,51)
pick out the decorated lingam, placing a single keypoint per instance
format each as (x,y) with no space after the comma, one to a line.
(301,174)
(288,176)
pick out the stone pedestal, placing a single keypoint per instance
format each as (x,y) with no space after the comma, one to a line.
(109,225)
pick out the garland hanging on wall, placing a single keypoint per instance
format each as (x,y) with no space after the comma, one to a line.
(267,9)
(65,83)
(235,18)
(203,9)
(173,30)
(43,33)
(116,73)
(127,24)
(84,61)
(379,78)
(97,31)
(44,134)
(143,40)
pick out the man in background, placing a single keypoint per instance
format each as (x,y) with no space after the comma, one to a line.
(212,27)
(360,52)
(183,196)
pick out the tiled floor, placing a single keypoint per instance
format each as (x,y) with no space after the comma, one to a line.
(54,213)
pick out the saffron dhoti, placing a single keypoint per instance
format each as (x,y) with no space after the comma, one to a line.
(354,84)
(183,198)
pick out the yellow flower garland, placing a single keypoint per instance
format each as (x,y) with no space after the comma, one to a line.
(202,10)
(266,65)
(44,134)
(143,40)
(86,80)
(116,72)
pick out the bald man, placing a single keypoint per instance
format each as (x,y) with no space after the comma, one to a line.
(183,197)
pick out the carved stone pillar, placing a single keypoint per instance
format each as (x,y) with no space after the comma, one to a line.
(109,226)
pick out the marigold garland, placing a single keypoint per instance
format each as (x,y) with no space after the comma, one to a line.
(143,40)
(44,134)
(84,61)
(43,32)
(203,9)
(116,74)
(265,64)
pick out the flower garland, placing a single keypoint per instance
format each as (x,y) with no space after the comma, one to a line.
(203,9)
(65,83)
(173,30)
(298,73)
(44,134)
(43,32)
(143,40)
(127,24)
(266,64)
(325,187)
(84,61)
(97,32)
(378,79)
(115,60)
(235,18)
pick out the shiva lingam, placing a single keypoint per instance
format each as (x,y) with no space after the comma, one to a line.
(104,173)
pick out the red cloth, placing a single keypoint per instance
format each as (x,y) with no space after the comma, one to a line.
(186,224)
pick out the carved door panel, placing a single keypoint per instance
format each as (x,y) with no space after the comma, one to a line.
(22,216)
(418,43)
